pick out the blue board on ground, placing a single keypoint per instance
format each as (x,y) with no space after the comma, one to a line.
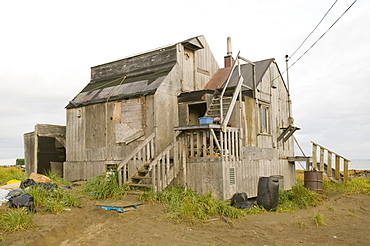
(120,209)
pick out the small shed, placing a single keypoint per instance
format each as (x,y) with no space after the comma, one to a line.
(44,149)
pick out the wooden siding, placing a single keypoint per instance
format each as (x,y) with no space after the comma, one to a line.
(94,133)
(197,66)
(29,152)
(205,176)
(82,170)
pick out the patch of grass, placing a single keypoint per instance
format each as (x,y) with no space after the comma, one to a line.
(185,205)
(353,186)
(53,200)
(299,197)
(15,219)
(55,178)
(9,173)
(104,186)
(318,218)
(331,209)
(300,224)
(256,210)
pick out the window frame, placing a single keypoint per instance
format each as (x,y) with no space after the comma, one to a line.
(264,116)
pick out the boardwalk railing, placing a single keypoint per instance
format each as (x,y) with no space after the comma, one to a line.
(329,162)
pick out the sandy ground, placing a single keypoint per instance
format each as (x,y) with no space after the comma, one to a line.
(346,217)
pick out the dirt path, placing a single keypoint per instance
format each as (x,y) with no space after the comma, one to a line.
(347,219)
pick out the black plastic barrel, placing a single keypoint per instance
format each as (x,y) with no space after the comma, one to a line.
(268,192)
(313,181)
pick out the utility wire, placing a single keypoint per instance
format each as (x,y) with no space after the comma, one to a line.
(314,29)
(321,36)
(317,40)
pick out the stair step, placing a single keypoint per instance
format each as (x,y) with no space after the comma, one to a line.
(141,170)
(141,185)
(141,177)
(134,192)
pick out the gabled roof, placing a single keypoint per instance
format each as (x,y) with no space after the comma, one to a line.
(247,72)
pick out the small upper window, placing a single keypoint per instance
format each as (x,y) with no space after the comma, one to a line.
(264,111)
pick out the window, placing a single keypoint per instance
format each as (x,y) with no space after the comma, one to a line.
(264,116)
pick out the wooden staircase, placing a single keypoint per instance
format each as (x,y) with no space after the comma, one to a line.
(224,99)
(152,171)
(141,179)
(213,110)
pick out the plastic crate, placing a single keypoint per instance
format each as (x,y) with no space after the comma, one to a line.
(205,120)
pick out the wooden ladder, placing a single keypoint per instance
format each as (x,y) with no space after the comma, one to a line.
(213,110)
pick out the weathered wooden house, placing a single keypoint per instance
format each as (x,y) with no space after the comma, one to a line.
(172,116)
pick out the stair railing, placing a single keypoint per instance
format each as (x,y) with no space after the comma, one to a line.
(142,154)
(237,90)
(323,163)
(167,164)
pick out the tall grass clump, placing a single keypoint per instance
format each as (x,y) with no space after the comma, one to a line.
(54,176)
(104,186)
(353,186)
(53,200)
(9,173)
(299,197)
(15,219)
(185,205)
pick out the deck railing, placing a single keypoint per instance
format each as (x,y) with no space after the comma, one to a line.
(325,162)
(213,143)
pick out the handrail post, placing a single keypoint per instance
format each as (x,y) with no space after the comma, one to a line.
(329,170)
(337,167)
(321,168)
(345,171)
(314,156)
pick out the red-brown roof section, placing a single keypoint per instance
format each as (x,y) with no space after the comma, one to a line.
(218,79)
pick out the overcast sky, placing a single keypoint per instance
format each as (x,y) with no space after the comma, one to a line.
(47,49)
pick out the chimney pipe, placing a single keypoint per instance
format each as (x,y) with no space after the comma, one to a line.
(229,49)
(228,60)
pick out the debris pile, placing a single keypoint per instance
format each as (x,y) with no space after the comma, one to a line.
(15,195)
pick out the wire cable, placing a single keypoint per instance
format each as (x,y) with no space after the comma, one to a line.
(316,41)
(314,28)
(321,36)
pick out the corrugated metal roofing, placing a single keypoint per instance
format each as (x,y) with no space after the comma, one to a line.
(125,78)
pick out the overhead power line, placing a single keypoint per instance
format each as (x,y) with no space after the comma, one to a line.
(321,36)
(314,28)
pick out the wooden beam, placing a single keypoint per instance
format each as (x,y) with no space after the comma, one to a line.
(329,168)
(337,167)
(314,156)
(321,168)
(345,171)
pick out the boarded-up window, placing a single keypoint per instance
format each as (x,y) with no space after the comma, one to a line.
(132,120)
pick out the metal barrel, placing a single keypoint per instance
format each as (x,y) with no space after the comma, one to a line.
(313,181)
(281,181)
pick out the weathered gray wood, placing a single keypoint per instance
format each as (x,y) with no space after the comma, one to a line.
(321,168)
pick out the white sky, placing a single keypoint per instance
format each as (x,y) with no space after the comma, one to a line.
(47,49)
